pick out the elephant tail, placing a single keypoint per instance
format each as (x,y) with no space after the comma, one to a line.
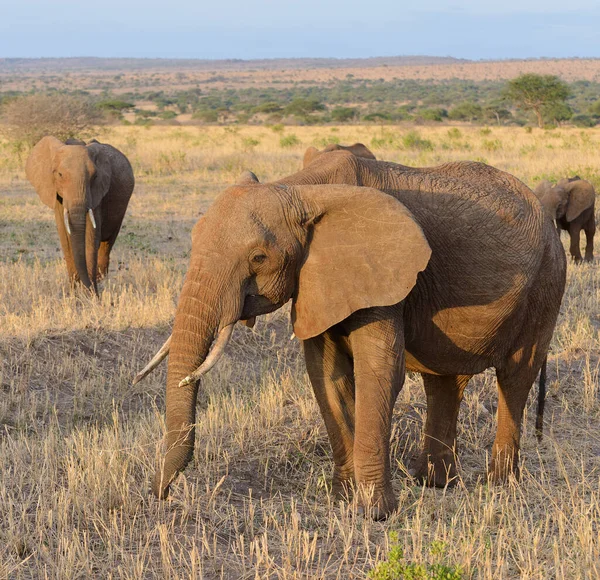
(539,420)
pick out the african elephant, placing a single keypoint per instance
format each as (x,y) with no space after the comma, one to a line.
(571,203)
(454,269)
(89,188)
(357,149)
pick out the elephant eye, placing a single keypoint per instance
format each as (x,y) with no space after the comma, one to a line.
(258,258)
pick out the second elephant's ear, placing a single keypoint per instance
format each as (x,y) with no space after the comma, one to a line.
(100,156)
(310,154)
(364,249)
(39,169)
(581,197)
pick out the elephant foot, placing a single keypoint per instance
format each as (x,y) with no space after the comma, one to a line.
(435,470)
(378,504)
(342,484)
(503,466)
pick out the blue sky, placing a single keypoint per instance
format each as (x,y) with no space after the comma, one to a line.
(247,29)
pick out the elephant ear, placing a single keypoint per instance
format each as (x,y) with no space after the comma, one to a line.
(39,169)
(361,150)
(364,249)
(581,197)
(100,184)
(247,178)
(309,155)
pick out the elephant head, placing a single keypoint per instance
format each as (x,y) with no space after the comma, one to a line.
(580,195)
(332,249)
(567,199)
(553,198)
(72,179)
(358,149)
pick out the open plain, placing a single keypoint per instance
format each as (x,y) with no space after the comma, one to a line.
(78,443)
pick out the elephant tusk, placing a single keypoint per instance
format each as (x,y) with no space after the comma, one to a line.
(157,359)
(66,218)
(213,356)
(92,219)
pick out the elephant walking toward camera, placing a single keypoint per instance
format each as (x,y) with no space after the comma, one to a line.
(571,202)
(446,271)
(88,187)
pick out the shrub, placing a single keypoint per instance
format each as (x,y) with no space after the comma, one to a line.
(377,117)
(396,568)
(583,121)
(412,140)
(454,133)
(344,114)
(30,118)
(289,141)
(433,114)
(206,115)
(466,112)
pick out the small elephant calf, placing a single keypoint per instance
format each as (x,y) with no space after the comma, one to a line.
(571,203)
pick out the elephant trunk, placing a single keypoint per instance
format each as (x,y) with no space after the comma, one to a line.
(77,216)
(194,330)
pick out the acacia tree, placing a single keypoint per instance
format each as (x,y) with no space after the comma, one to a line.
(537,93)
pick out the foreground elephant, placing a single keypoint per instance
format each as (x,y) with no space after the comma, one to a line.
(571,202)
(89,188)
(357,149)
(457,270)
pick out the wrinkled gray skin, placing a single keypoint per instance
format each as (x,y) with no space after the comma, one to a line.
(453,270)
(571,203)
(72,178)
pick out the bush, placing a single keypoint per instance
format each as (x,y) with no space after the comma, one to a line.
(206,115)
(28,119)
(344,114)
(433,114)
(289,141)
(396,567)
(412,140)
(466,112)
(583,121)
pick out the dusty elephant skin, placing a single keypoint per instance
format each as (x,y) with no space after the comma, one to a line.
(571,202)
(358,149)
(453,270)
(88,187)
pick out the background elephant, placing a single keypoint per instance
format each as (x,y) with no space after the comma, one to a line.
(89,188)
(456,271)
(571,203)
(357,149)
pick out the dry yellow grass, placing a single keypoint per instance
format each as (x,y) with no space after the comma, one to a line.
(78,443)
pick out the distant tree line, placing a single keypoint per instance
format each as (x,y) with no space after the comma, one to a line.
(529,98)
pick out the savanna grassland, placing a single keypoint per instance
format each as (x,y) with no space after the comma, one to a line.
(78,443)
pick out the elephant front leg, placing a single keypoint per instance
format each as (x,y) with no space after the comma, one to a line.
(330,370)
(436,466)
(65,243)
(377,342)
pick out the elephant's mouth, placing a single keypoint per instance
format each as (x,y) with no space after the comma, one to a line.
(257,304)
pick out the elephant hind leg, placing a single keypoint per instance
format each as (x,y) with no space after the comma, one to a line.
(104,258)
(436,465)
(514,383)
(590,231)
